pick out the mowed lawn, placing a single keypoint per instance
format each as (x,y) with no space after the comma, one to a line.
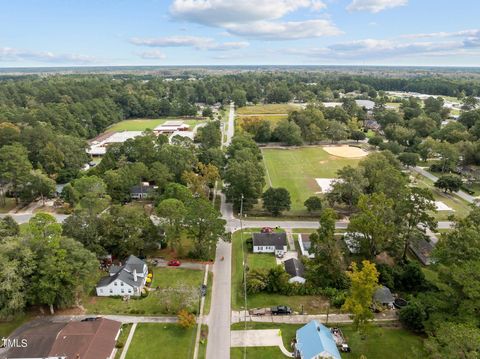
(272,118)
(146,123)
(152,341)
(311,304)
(274,108)
(378,343)
(296,170)
(176,288)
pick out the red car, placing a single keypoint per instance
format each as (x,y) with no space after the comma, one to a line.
(174,263)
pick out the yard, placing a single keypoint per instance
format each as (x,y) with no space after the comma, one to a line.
(296,170)
(309,303)
(7,327)
(280,108)
(272,118)
(152,341)
(177,288)
(460,207)
(8,205)
(377,343)
(145,123)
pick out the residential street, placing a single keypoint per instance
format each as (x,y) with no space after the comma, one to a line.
(461,194)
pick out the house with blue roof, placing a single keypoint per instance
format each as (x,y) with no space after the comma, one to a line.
(314,341)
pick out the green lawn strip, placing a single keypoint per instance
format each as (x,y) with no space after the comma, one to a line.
(8,205)
(281,108)
(461,207)
(178,289)
(152,341)
(257,353)
(310,304)
(122,339)
(296,170)
(378,342)
(208,297)
(202,349)
(7,327)
(261,261)
(143,124)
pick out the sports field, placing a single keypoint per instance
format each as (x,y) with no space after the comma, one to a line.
(142,124)
(296,170)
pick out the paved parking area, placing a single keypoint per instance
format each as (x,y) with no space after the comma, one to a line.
(258,338)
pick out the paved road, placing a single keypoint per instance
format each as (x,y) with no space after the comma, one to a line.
(219,318)
(461,194)
(231,124)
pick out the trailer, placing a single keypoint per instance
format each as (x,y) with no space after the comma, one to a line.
(340,340)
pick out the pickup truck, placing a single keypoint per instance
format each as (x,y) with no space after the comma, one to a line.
(281,310)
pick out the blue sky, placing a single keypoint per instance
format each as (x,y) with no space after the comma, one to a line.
(239,32)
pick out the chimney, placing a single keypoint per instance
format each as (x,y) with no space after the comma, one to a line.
(135,275)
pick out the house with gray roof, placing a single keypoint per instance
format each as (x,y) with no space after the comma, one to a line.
(126,279)
(295,269)
(383,296)
(270,243)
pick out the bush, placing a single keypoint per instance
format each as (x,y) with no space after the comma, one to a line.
(413,316)
(120,344)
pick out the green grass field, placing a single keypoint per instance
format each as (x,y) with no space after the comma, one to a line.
(143,124)
(461,208)
(310,304)
(261,261)
(8,205)
(272,108)
(296,170)
(7,327)
(152,341)
(178,288)
(378,343)
(273,119)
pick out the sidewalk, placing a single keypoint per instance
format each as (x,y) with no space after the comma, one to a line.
(129,340)
(259,338)
(237,317)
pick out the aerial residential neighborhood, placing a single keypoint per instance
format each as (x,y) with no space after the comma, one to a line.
(225,179)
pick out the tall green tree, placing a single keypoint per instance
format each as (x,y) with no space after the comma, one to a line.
(276,200)
(15,166)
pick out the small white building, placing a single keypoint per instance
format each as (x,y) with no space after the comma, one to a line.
(305,245)
(295,269)
(270,243)
(99,147)
(127,279)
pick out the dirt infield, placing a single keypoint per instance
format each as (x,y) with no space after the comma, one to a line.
(345,151)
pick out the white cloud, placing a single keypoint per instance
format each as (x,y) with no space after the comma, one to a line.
(13,54)
(291,30)
(375,5)
(255,19)
(200,43)
(464,42)
(220,12)
(153,55)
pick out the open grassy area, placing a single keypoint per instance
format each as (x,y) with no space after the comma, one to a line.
(296,170)
(273,108)
(8,205)
(176,288)
(310,304)
(145,123)
(261,261)
(272,118)
(7,327)
(152,341)
(460,207)
(377,343)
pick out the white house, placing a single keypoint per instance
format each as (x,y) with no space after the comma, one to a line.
(127,279)
(169,127)
(305,245)
(270,243)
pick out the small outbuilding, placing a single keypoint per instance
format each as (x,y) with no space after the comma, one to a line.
(383,296)
(295,269)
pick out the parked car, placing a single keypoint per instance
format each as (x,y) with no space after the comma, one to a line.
(281,310)
(91,319)
(203,290)
(174,263)
(266,230)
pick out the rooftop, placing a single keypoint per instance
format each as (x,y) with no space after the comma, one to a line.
(279,240)
(315,340)
(294,267)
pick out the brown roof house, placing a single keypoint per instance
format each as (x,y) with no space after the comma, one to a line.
(73,340)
